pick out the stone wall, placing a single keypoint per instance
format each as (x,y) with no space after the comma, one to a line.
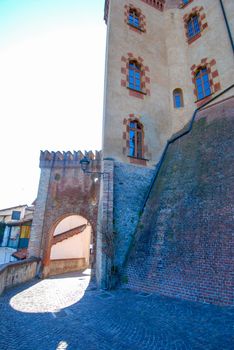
(60,266)
(105,242)
(16,273)
(130,187)
(184,243)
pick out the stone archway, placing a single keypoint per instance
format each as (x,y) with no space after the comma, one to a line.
(64,190)
(70,243)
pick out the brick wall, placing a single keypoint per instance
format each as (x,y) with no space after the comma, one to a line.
(185,238)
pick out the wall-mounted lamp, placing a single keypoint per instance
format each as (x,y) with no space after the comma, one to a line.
(84,163)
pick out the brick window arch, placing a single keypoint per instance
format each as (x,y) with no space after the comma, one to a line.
(178,98)
(195,24)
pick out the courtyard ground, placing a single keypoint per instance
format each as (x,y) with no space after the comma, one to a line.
(68,312)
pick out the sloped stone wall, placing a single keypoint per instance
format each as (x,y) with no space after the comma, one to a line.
(131,184)
(184,244)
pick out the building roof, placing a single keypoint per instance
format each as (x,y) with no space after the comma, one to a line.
(15,206)
(21,254)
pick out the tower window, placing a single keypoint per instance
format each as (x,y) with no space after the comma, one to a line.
(134,76)
(178,98)
(135,139)
(202,82)
(133,18)
(193,26)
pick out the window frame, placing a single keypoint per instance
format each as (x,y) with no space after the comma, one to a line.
(193,26)
(137,140)
(136,16)
(205,85)
(133,72)
(178,92)
(15,215)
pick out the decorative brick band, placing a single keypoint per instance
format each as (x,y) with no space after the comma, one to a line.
(199,12)
(142,21)
(145,79)
(157,4)
(126,139)
(213,77)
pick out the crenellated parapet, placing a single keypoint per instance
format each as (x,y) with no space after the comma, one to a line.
(68,159)
(157,4)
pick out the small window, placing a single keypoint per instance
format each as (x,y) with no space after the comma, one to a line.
(202,83)
(135,139)
(193,26)
(133,18)
(134,76)
(178,98)
(15,215)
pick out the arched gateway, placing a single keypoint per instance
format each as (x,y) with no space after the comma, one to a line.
(65,220)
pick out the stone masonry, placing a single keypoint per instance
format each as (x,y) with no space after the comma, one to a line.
(130,188)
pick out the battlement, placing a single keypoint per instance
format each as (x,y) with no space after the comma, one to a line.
(68,159)
(158,4)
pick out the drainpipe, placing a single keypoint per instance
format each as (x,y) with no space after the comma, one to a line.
(227,24)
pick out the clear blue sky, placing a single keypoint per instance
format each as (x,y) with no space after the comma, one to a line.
(52,55)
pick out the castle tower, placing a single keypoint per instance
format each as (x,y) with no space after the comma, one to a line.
(154,51)
(164,59)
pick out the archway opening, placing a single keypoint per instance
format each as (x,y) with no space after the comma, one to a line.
(71,245)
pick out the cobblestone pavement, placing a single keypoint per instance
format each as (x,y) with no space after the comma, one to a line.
(68,312)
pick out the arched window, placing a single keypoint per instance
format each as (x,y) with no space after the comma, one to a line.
(202,83)
(134,76)
(178,98)
(135,139)
(193,26)
(134,18)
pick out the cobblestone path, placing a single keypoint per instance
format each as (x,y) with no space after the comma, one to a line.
(67,312)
